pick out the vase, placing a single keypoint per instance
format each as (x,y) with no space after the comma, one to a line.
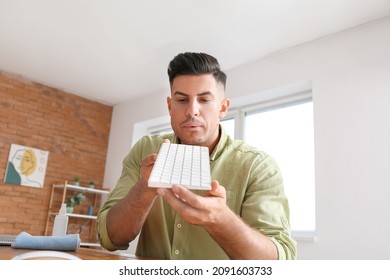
(90,210)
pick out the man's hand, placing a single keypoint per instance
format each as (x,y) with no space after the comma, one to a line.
(146,167)
(204,210)
(211,211)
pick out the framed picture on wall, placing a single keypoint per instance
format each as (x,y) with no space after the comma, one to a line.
(26,166)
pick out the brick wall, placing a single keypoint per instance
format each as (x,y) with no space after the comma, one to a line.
(74,130)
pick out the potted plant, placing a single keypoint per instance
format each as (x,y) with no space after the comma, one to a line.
(76,181)
(74,200)
(91,185)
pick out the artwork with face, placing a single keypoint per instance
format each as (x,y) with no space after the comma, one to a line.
(26,166)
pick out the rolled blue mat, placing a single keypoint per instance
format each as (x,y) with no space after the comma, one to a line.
(68,242)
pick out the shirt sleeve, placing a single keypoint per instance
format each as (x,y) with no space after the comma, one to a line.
(130,175)
(266,208)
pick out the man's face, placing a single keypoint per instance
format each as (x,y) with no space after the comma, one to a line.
(196,106)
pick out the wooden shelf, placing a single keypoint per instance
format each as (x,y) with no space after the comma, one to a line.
(63,190)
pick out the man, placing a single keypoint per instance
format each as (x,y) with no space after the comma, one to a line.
(245,215)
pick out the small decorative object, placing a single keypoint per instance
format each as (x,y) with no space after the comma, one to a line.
(90,210)
(76,181)
(60,226)
(91,185)
(76,199)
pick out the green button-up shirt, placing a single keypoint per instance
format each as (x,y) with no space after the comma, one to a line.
(254,189)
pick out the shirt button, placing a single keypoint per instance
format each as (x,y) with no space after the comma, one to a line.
(177,252)
(178,225)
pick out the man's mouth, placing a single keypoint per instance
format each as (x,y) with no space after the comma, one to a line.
(191,125)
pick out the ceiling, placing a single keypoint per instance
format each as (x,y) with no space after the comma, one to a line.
(114,51)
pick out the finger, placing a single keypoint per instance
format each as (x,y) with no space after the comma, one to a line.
(149,160)
(186,211)
(190,198)
(184,194)
(146,167)
(173,199)
(214,187)
(217,190)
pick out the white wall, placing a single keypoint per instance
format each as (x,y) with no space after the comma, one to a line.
(350,74)
(124,117)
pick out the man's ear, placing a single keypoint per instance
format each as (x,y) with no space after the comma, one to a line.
(225,105)
(169,101)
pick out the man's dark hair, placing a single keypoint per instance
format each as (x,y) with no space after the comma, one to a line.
(190,63)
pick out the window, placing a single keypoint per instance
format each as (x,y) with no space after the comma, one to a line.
(286,133)
(228,125)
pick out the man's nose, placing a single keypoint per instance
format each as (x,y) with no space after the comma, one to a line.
(193,109)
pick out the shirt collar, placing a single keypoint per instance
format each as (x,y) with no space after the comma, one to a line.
(220,147)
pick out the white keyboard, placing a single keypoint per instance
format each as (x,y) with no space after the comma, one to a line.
(179,164)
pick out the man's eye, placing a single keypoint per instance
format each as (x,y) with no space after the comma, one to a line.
(181,100)
(204,100)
